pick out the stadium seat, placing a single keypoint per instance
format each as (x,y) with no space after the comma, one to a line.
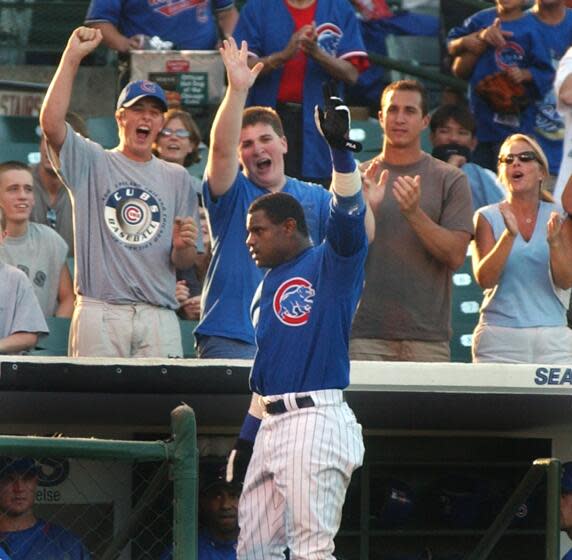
(198,169)
(19,138)
(467,298)
(103,130)
(188,338)
(369,133)
(56,343)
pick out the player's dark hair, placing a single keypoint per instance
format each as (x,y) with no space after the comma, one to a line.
(14,165)
(279,207)
(458,113)
(264,115)
(407,85)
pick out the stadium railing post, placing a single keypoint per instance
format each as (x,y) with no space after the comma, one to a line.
(184,456)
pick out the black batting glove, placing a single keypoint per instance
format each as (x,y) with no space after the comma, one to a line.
(334,121)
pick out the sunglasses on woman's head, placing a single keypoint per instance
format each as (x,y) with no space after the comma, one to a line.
(179,133)
(523,156)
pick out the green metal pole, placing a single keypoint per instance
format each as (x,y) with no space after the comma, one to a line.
(553,471)
(184,455)
(417,71)
(495,531)
(82,448)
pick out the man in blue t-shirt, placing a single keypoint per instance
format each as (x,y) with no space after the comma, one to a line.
(187,25)
(22,535)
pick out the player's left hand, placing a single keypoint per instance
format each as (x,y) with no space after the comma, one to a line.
(374,191)
(334,121)
(407,193)
(185,233)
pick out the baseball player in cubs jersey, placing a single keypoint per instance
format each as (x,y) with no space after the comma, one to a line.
(304,439)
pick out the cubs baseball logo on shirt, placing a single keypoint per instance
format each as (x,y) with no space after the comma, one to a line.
(293,301)
(132,215)
(509,55)
(329,37)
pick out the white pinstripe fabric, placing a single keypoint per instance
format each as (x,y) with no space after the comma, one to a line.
(297,479)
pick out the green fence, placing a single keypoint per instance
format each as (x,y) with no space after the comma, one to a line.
(122,499)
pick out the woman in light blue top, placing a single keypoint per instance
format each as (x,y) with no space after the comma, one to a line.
(522,258)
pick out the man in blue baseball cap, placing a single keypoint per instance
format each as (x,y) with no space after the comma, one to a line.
(22,535)
(566,504)
(136,219)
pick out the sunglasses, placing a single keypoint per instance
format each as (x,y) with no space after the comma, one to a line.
(523,157)
(179,133)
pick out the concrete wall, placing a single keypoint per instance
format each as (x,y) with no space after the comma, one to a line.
(95,89)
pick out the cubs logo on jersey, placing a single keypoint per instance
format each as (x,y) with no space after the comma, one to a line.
(171,8)
(509,55)
(329,37)
(132,215)
(293,301)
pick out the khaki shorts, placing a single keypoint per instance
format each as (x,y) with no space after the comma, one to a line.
(135,330)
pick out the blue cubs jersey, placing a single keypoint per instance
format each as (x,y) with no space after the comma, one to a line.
(266,25)
(548,123)
(232,276)
(208,548)
(303,310)
(43,541)
(524,49)
(188,24)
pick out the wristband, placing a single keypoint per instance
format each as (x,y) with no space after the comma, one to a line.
(343,160)
(249,428)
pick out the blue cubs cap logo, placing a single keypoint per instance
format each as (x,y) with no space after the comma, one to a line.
(134,91)
(293,302)
(329,37)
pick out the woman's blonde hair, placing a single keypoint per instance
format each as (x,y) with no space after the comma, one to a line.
(540,158)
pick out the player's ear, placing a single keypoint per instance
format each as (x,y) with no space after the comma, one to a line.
(290,225)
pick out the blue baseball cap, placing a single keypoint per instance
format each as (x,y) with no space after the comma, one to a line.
(213,473)
(566,480)
(134,91)
(18,465)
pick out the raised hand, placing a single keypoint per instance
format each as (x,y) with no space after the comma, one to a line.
(554,229)
(333,122)
(407,193)
(509,218)
(374,191)
(240,75)
(83,41)
(494,35)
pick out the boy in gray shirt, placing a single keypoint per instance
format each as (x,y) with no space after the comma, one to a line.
(130,231)
(21,318)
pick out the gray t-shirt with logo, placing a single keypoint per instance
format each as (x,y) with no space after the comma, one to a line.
(40,253)
(124,212)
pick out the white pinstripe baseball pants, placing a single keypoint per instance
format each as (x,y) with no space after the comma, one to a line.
(297,479)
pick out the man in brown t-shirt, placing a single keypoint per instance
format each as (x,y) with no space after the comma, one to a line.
(423,228)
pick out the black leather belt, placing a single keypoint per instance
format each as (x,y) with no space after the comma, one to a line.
(278,407)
